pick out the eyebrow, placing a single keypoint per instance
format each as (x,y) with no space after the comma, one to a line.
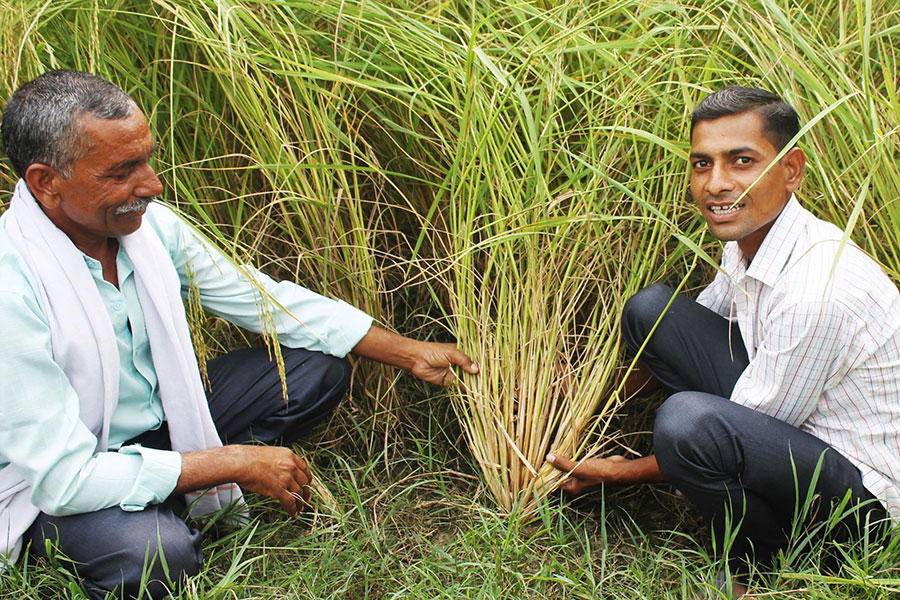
(130,164)
(733,152)
(742,150)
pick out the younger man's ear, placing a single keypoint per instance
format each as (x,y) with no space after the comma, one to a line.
(43,182)
(794,162)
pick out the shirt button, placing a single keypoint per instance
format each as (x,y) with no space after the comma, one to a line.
(117,306)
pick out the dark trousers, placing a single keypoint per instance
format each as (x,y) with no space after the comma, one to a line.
(111,547)
(747,473)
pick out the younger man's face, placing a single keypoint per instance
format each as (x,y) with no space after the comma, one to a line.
(728,154)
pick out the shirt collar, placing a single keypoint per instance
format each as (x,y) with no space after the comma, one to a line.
(776,247)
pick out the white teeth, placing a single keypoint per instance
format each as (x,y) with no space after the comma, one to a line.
(725,210)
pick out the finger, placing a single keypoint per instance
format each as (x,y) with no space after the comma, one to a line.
(459,358)
(303,467)
(561,463)
(571,487)
(304,478)
(301,499)
(305,490)
(443,377)
(288,500)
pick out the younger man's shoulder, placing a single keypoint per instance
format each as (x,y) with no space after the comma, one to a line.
(824,266)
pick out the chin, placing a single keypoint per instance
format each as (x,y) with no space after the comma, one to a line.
(130,227)
(724,235)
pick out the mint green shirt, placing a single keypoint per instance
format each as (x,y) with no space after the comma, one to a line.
(40,432)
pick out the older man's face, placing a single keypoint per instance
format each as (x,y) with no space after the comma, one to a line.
(111,182)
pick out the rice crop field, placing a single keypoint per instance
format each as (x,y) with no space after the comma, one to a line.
(505,175)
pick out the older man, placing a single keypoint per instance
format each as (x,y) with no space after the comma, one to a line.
(785,372)
(105,424)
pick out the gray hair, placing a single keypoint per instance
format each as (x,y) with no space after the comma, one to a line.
(40,120)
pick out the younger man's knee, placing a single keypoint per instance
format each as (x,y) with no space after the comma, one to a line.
(648,303)
(678,420)
(642,310)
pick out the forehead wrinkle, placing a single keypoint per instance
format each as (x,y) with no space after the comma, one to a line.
(130,163)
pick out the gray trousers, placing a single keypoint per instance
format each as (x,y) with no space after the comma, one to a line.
(150,552)
(742,469)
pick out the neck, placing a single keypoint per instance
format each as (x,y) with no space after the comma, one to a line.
(98,247)
(101,249)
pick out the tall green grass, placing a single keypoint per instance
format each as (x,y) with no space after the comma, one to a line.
(505,174)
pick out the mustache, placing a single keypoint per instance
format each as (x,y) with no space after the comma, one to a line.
(135,205)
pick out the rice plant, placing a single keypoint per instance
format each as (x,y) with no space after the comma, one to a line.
(508,173)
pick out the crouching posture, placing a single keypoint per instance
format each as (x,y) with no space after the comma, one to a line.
(106,429)
(784,374)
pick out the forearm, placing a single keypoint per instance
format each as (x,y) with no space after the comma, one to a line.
(593,473)
(387,347)
(273,471)
(429,361)
(639,470)
(208,468)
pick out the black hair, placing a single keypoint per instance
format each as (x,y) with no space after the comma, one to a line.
(781,122)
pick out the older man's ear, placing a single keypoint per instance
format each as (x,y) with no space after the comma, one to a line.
(43,181)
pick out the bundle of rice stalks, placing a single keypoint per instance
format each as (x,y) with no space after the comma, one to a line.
(526,162)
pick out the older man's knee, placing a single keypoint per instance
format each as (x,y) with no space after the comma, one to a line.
(180,553)
(336,376)
(123,553)
(331,373)
(159,561)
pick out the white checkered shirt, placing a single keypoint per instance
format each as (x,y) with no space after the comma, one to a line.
(823,337)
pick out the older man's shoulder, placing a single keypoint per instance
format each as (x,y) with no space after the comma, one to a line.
(15,276)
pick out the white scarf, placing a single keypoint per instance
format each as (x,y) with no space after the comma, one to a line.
(84,345)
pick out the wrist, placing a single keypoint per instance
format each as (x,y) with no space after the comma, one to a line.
(616,472)
(387,347)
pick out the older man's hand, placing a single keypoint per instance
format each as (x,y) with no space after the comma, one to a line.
(273,471)
(429,361)
(434,363)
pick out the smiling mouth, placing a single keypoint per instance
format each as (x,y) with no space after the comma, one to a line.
(726,209)
(133,206)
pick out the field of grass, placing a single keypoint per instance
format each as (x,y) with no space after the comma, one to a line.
(504,174)
(413,521)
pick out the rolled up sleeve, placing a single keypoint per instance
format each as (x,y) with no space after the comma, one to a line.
(245,296)
(43,438)
(156,478)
